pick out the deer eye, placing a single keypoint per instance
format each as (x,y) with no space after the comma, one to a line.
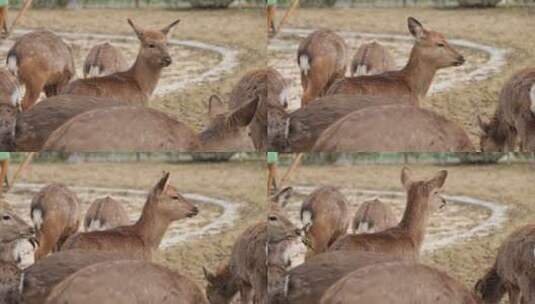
(6,217)
(152,46)
(272,218)
(441,45)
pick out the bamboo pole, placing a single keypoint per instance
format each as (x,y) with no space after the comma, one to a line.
(23,10)
(284,19)
(22,166)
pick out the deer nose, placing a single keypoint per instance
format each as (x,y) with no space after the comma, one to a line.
(460,61)
(166,61)
(193,212)
(298,231)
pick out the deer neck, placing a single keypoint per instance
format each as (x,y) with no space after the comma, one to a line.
(151,226)
(145,75)
(418,74)
(415,218)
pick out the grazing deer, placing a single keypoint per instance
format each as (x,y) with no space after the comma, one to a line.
(513,123)
(9,88)
(41,61)
(10,281)
(136,84)
(400,283)
(511,272)
(125,282)
(430,53)
(373,216)
(55,213)
(28,130)
(103,130)
(370,59)
(104,59)
(393,128)
(16,237)
(322,59)
(164,205)
(325,217)
(404,240)
(105,213)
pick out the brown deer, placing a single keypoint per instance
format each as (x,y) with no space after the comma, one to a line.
(125,282)
(41,61)
(55,213)
(9,89)
(400,283)
(404,240)
(322,59)
(136,84)
(103,130)
(28,130)
(325,217)
(372,58)
(16,237)
(10,277)
(104,59)
(164,205)
(393,128)
(511,272)
(105,213)
(373,216)
(513,123)
(430,53)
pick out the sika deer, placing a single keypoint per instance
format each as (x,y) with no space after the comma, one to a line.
(325,217)
(126,282)
(104,59)
(370,59)
(55,213)
(512,271)
(393,128)
(430,53)
(322,59)
(16,238)
(400,283)
(41,61)
(404,240)
(137,84)
(373,216)
(513,123)
(105,213)
(164,205)
(9,89)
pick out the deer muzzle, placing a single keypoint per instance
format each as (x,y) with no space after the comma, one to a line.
(166,61)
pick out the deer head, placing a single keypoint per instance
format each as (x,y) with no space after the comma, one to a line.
(425,193)
(221,286)
(12,227)
(279,226)
(489,139)
(490,288)
(278,128)
(168,203)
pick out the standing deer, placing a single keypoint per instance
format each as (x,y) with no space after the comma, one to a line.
(322,59)
(512,271)
(325,217)
(105,213)
(104,59)
(513,123)
(55,213)
(125,282)
(404,240)
(430,53)
(373,216)
(370,59)
(400,283)
(136,84)
(9,88)
(41,61)
(163,206)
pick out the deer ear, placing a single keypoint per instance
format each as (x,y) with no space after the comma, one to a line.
(532,98)
(138,31)
(484,126)
(243,115)
(168,28)
(437,181)
(162,183)
(215,105)
(416,28)
(406,174)
(282,197)
(208,275)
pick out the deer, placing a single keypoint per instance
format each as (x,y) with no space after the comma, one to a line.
(405,239)
(55,214)
(371,59)
(9,88)
(16,237)
(322,59)
(398,282)
(103,130)
(393,128)
(508,273)
(104,59)
(513,123)
(136,84)
(28,130)
(41,61)
(126,281)
(431,52)
(163,206)
(373,216)
(324,214)
(105,213)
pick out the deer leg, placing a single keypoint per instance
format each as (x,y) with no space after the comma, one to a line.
(514,294)
(245,293)
(34,83)
(316,84)
(49,236)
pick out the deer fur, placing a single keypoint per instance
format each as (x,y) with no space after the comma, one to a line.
(10,278)
(163,206)
(373,216)
(105,213)
(430,53)
(104,59)
(393,128)
(16,237)
(404,240)
(9,88)
(372,58)
(41,61)
(136,84)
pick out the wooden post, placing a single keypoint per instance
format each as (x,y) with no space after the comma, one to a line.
(22,166)
(23,10)
(293,167)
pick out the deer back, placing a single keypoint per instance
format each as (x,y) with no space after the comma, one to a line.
(104,59)
(372,58)
(105,213)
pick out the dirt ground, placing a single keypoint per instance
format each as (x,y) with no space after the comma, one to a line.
(508,28)
(240,29)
